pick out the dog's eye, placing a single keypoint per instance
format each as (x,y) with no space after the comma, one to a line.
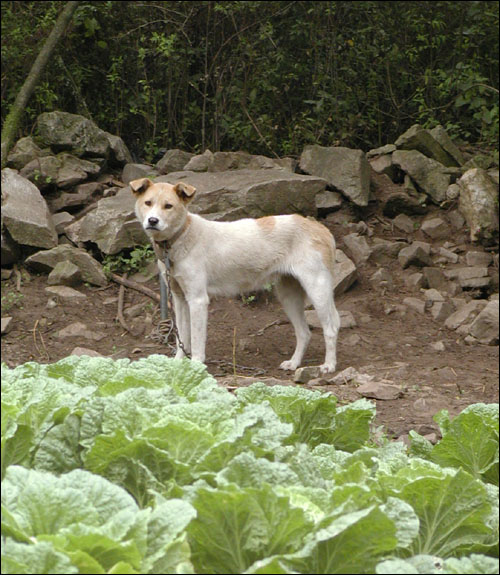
(148,203)
(168,206)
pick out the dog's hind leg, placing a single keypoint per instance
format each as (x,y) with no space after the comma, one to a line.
(292,298)
(319,288)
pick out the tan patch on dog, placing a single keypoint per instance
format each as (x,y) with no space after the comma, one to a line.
(266,223)
(322,240)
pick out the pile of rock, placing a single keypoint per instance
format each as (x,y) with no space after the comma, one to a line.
(67,190)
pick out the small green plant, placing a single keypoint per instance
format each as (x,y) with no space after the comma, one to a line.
(135,261)
(11,299)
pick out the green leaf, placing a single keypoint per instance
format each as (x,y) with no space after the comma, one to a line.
(35,557)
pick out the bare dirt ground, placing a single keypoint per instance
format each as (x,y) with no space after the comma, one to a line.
(393,343)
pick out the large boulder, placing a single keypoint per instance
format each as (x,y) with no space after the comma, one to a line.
(62,171)
(348,171)
(113,225)
(430,176)
(173,161)
(237,194)
(79,135)
(90,269)
(24,151)
(25,214)
(485,327)
(223,161)
(478,203)
(417,138)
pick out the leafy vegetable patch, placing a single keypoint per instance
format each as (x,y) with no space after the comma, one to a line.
(151,467)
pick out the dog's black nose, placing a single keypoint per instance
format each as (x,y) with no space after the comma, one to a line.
(153,221)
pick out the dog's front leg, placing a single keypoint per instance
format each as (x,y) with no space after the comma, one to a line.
(198,311)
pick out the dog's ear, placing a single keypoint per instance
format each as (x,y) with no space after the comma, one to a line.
(185,192)
(140,186)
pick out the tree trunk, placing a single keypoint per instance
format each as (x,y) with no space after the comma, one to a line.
(13,119)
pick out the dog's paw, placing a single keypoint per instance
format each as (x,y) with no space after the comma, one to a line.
(289,365)
(327,368)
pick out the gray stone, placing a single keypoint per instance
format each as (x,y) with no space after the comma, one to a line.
(79,196)
(383,165)
(478,258)
(79,329)
(436,228)
(344,273)
(327,202)
(383,150)
(401,202)
(382,278)
(11,252)
(65,292)
(416,254)
(384,252)
(417,138)
(62,171)
(430,176)
(136,171)
(415,304)
(404,223)
(24,212)
(346,170)
(173,161)
(63,131)
(119,153)
(85,351)
(441,310)
(479,205)
(485,327)
(465,314)
(61,220)
(6,325)
(379,390)
(415,280)
(65,273)
(433,295)
(305,374)
(435,279)
(47,260)
(24,151)
(470,277)
(441,136)
(447,256)
(453,192)
(199,163)
(358,247)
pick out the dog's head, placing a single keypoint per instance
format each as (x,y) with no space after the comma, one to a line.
(160,207)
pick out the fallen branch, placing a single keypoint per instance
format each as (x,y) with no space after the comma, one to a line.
(119,314)
(134,285)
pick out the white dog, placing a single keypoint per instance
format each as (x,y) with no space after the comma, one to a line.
(228,258)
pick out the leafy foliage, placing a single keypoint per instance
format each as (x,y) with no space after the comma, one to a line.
(263,76)
(151,467)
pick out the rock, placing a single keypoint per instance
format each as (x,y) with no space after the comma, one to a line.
(84,351)
(24,212)
(478,204)
(441,136)
(417,138)
(61,220)
(438,346)
(453,192)
(436,228)
(173,161)
(78,197)
(345,376)
(224,161)
(430,176)
(327,202)
(80,330)
(415,304)
(387,149)
(113,225)
(441,310)
(199,163)
(433,295)
(24,151)
(358,247)
(382,278)
(305,374)
(415,280)
(6,325)
(465,314)
(236,194)
(384,252)
(63,171)
(119,153)
(383,165)
(344,273)
(416,254)
(65,273)
(435,279)
(380,390)
(63,131)
(90,269)
(470,277)
(11,252)
(65,292)
(446,256)
(401,202)
(136,171)
(485,327)
(478,258)
(404,223)
(346,170)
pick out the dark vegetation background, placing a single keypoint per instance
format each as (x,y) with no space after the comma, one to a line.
(265,77)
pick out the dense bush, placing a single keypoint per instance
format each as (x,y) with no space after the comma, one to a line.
(262,76)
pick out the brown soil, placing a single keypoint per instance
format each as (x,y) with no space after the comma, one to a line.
(395,346)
